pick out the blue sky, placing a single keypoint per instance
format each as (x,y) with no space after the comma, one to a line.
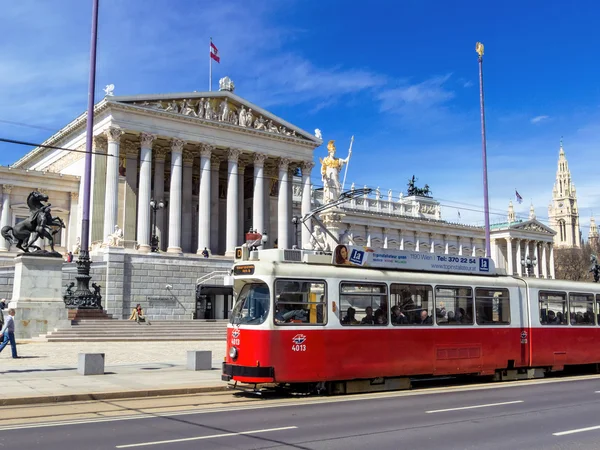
(400,76)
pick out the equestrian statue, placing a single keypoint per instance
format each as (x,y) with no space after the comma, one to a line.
(39,224)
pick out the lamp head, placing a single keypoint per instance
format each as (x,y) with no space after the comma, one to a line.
(152,203)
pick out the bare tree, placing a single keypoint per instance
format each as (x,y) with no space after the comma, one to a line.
(574,263)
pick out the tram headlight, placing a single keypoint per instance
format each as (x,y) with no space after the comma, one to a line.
(233,353)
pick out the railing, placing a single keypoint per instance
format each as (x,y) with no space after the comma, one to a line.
(212,275)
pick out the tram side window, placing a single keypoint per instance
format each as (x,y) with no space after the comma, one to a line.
(412,304)
(454,305)
(300,302)
(553,308)
(581,307)
(252,305)
(492,306)
(363,304)
(598,309)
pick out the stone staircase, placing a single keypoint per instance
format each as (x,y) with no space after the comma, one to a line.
(90,330)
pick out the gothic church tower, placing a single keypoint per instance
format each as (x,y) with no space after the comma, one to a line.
(563,212)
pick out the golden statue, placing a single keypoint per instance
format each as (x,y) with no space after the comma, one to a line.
(330,174)
(479,49)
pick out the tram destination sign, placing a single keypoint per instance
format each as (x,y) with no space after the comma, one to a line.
(384,258)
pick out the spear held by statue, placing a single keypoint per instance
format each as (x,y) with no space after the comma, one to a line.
(347,162)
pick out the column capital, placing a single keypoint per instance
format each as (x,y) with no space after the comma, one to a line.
(284,164)
(100,144)
(215,163)
(241,168)
(259,159)
(233,154)
(177,145)
(75,196)
(130,149)
(7,188)
(113,134)
(307,166)
(188,157)
(206,150)
(146,139)
(160,152)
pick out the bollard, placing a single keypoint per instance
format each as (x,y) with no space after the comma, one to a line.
(91,364)
(199,360)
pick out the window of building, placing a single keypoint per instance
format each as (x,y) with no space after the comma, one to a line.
(492,306)
(454,305)
(300,302)
(581,308)
(553,308)
(363,304)
(412,304)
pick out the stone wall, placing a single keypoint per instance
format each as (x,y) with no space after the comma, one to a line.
(7,277)
(136,278)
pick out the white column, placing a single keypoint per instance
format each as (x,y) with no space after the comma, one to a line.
(159,193)
(446,245)
(175,196)
(215,201)
(111,194)
(5,219)
(204,198)
(145,190)
(187,215)
(233,156)
(368,235)
(241,203)
(283,219)
(385,237)
(473,248)
(417,242)
(552,274)
(460,247)
(401,239)
(544,261)
(518,262)
(307,167)
(258,201)
(432,243)
(509,255)
(73,221)
(536,268)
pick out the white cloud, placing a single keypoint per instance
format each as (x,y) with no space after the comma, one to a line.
(539,119)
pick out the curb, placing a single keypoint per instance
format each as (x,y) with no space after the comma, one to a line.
(120,395)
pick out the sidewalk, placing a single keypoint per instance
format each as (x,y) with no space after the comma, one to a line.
(47,372)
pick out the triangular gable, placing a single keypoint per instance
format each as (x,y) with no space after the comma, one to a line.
(218,106)
(533,225)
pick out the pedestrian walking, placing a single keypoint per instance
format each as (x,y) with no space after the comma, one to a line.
(2,306)
(8,333)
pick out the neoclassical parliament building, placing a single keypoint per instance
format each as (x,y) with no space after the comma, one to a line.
(221,166)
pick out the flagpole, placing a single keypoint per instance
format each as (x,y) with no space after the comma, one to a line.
(347,163)
(486,206)
(210,66)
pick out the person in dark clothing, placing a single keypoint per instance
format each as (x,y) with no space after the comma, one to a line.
(424,318)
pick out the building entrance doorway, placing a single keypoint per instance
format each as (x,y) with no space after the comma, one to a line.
(213,302)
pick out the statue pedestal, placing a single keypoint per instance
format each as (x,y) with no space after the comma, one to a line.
(332,219)
(37,295)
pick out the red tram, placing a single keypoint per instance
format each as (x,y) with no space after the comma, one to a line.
(377,317)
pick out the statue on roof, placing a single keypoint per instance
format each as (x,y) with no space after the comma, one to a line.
(225,84)
(242,119)
(109,90)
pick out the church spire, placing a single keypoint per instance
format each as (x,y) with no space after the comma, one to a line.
(531,212)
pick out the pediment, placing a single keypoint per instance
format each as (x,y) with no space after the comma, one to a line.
(534,225)
(218,108)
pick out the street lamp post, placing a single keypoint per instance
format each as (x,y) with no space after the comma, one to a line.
(155,206)
(486,205)
(529,263)
(296,222)
(83,297)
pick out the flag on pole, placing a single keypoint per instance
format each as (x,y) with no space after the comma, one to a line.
(459,214)
(214,52)
(519,198)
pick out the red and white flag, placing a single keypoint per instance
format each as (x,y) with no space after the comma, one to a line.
(214,53)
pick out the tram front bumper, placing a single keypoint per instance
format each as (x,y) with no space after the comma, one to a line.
(247,374)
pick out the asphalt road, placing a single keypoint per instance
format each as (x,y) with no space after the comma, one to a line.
(542,414)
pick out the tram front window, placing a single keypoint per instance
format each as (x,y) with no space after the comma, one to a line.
(252,305)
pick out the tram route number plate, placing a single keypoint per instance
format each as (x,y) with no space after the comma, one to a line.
(246,269)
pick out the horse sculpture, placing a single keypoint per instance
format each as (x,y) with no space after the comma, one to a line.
(39,224)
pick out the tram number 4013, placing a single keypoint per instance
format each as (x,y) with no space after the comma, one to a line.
(235,341)
(299,347)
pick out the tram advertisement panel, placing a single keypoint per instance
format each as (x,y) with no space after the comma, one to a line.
(386,258)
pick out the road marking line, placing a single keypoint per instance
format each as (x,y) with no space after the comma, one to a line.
(580,430)
(473,407)
(212,436)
